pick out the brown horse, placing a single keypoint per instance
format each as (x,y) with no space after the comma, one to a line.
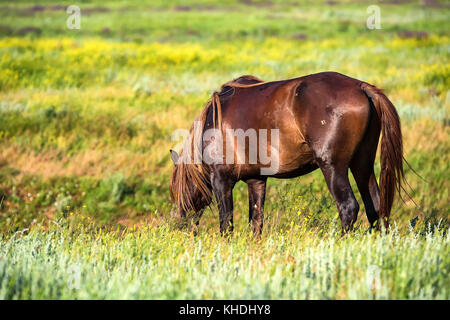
(325,120)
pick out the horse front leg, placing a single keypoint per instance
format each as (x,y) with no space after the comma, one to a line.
(256,197)
(223,191)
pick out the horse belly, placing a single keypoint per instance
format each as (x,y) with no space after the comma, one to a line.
(294,160)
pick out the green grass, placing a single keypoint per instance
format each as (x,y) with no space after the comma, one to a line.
(86,118)
(160,263)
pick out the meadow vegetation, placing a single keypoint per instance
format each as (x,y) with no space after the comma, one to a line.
(86,118)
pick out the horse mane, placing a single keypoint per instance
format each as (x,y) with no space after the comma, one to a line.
(188,170)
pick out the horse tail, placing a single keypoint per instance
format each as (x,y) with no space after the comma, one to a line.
(392,175)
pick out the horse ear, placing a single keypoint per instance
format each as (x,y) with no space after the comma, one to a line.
(175,157)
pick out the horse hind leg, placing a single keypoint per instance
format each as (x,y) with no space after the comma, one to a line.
(368,188)
(333,150)
(339,186)
(362,169)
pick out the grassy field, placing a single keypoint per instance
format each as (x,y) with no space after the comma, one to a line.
(86,118)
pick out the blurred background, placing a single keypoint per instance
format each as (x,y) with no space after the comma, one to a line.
(86,115)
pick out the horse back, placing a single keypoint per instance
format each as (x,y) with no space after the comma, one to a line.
(304,110)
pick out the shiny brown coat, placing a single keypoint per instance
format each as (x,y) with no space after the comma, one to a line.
(326,120)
